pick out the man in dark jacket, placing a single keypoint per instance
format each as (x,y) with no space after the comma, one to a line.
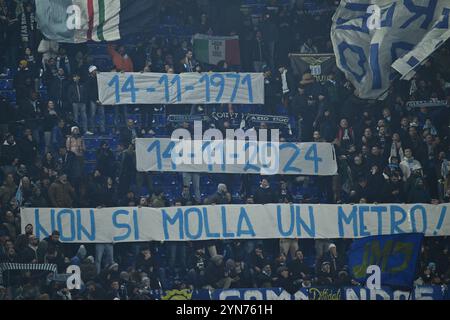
(216,274)
(93,102)
(105,160)
(61,193)
(31,111)
(129,133)
(57,91)
(28,148)
(334,259)
(77,97)
(145,262)
(22,82)
(393,191)
(264,194)
(29,253)
(9,152)
(297,267)
(222,196)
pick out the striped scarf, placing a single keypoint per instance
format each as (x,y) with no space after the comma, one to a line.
(27,25)
(12,266)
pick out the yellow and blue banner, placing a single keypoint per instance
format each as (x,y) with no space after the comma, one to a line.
(396,255)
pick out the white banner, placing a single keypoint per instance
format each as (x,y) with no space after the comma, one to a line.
(271,221)
(368,39)
(186,88)
(288,158)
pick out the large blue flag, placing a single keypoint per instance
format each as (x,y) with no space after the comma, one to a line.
(396,255)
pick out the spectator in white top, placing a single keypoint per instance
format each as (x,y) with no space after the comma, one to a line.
(409,164)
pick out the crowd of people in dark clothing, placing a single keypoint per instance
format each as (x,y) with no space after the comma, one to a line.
(387,152)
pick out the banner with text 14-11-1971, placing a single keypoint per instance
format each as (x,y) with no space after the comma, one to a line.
(271,221)
(185,88)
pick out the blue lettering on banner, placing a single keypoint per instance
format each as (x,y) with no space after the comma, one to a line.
(441,220)
(343,218)
(375,66)
(400,45)
(311,155)
(362,227)
(444,24)
(280,222)
(61,229)
(243,217)
(420,11)
(362,59)
(167,219)
(198,213)
(225,232)
(379,210)
(288,167)
(311,228)
(412,214)
(81,229)
(396,223)
(39,228)
(172,87)
(136,224)
(209,235)
(387,22)
(156,145)
(356,7)
(118,225)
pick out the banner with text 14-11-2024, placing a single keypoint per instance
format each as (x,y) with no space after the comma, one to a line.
(241,157)
(186,88)
(271,221)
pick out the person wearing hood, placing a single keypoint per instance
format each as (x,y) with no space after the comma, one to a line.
(264,194)
(418,193)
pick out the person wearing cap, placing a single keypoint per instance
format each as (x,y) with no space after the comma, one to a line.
(333,259)
(284,280)
(22,81)
(77,96)
(95,106)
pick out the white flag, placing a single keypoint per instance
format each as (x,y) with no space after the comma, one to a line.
(367,42)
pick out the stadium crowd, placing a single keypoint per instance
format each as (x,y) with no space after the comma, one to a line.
(387,153)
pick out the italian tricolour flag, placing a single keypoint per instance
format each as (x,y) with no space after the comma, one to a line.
(212,50)
(76,21)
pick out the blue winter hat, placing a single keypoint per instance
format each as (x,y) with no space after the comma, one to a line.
(75,261)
